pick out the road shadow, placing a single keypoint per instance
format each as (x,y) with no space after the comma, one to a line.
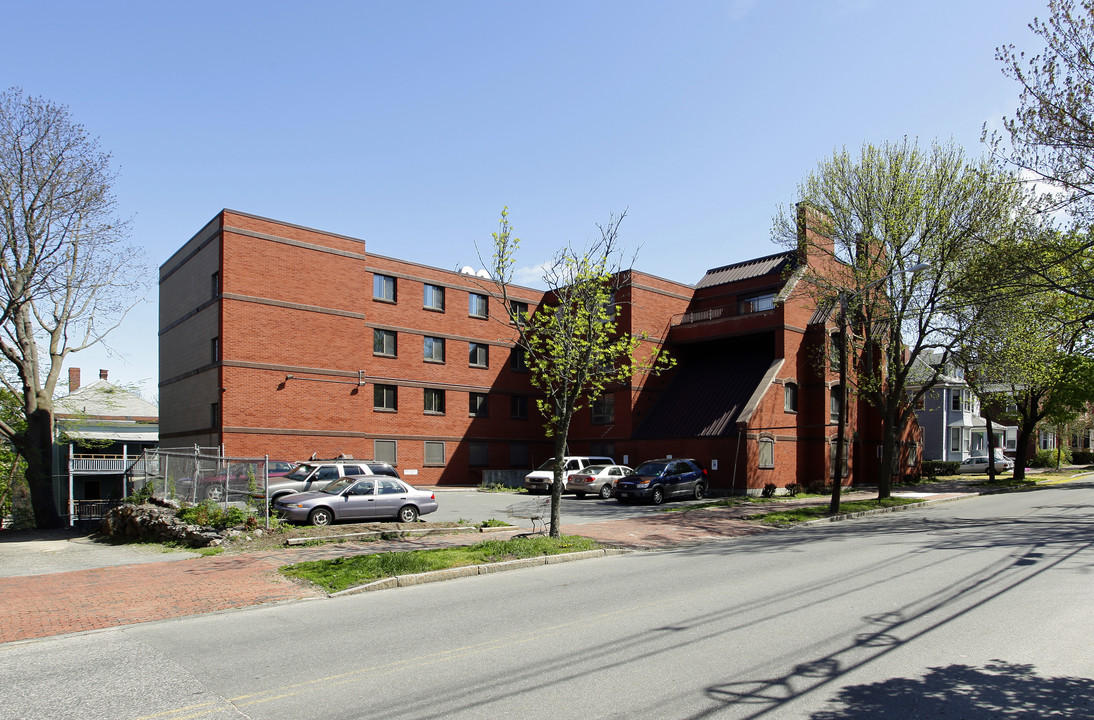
(997,690)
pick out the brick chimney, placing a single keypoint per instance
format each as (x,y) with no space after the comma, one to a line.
(102,374)
(73,380)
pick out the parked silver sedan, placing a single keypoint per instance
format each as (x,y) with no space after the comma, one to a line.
(596,480)
(357,498)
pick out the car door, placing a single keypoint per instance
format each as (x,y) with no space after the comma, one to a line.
(357,502)
(390,496)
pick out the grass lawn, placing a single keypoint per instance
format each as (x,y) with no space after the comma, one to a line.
(803,514)
(342,573)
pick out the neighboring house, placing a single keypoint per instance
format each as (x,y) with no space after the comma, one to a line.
(949,413)
(286,341)
(101,429)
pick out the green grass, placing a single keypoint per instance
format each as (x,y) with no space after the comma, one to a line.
(341,573)
(803,514)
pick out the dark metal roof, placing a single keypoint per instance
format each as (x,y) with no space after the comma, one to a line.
(771,265)
(707,395)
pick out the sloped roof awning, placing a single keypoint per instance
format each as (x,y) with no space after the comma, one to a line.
(119,435)
(707,396)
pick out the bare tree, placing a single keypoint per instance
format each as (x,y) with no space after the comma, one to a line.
(67,273)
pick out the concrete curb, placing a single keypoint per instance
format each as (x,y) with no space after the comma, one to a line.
(424,532)
(881,511)
(471,570)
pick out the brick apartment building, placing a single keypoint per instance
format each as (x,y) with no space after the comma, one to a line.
(283,340)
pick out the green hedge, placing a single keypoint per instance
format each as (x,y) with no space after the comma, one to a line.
(936,468)
(1082,457)
(1047,458)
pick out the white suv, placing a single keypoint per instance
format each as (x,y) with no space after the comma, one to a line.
(314,474)
(541,479)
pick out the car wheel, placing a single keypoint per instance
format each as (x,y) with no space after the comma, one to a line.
(605,491)
(658,496)
(215,493)
(407,514)
(321,517)
(700,491)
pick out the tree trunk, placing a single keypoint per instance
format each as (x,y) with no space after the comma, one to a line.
(1021,451)
(889,456)
(557,485)
(991,448)
(37,450)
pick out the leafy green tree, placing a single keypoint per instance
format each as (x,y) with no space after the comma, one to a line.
(573,347)
(67,274)
(11,465)
(876,215)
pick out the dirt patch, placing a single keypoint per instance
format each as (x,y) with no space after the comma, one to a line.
(278,537)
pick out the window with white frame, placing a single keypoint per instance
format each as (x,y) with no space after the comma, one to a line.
(478,404)
(478,355)
(434,401)
(790,397)
(384,398)
(434,452)
(955,439)
(955,400)
(433,349)
(383,287)
(433,297)
(766,453)
(476,305)
(834,404)
(383,342)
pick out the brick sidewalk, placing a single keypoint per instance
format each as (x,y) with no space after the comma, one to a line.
(42,605)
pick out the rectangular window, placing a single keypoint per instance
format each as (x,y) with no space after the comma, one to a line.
(518,360)
(434,349)
(383,342)
(479,454)
(434,401)
(214,416)
(383,288)
(478,404)
(518,311)
(478,355)
(434,452)
(518,407)
(386,451)
(433,298)
(955,440)
(955,404)
(476,305)
(518,456)
(756,303)
(216,284)
(602,448)
(384,398)
(767,453)
(834,404)
(913,455)
(603,410)
(215,349)
(790,397)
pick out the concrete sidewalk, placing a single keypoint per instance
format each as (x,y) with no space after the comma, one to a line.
(36,606)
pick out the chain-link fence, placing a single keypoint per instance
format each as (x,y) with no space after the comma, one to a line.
(197,475)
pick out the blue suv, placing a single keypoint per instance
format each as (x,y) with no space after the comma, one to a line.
(660,480)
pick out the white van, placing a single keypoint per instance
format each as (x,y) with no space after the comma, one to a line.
(541,479)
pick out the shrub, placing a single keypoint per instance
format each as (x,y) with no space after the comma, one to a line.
(819,487)
(209,514)
(793,489)
(1082,457)
(1047,458)
(935,468)
(769,490)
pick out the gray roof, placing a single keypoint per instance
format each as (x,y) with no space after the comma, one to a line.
(775,264)
(104,399)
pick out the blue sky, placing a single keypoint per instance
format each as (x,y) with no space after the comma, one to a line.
(411,124)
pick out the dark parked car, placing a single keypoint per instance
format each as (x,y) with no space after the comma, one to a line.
(358,499)
(660,480)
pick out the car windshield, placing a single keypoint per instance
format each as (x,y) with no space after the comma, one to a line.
(594,469)
(300,472)
(338,485)
(653,468)
(549,465)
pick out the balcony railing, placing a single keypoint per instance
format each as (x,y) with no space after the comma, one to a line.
(100,463)
(744,307)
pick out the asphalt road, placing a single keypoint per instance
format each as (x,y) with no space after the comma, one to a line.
(476,506)
(972,609)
